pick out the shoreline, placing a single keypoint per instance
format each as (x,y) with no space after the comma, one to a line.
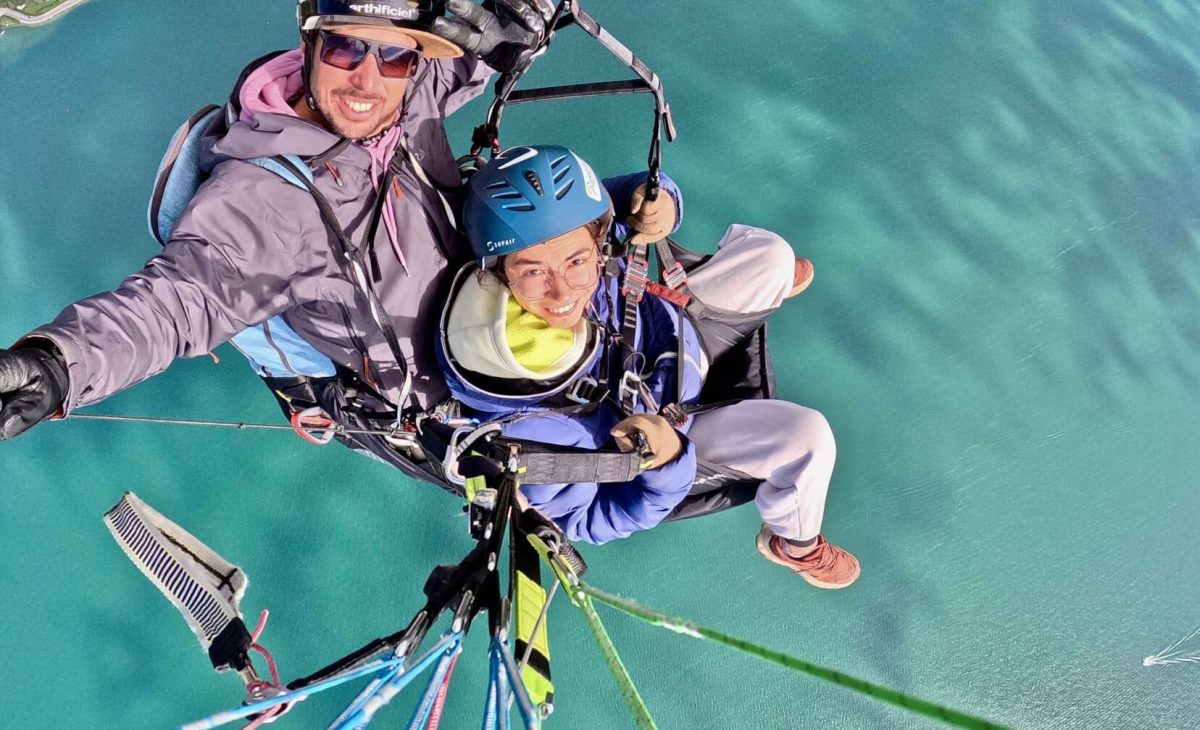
(40,19)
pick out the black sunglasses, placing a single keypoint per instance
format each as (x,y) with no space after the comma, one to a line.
(347,52)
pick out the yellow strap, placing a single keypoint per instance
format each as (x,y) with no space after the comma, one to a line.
(530,600)
(473,485)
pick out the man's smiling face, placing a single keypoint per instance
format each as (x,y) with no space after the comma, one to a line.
(361,102)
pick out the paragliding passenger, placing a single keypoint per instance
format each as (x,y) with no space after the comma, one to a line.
(533,318)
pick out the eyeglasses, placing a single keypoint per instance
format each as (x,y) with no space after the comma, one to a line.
(347,53)
(578,274)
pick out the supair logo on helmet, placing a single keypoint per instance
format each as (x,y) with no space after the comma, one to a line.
(497,245)
(406,13)
(591,184)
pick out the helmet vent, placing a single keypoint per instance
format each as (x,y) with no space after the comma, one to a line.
(535,181)
(509,197)
(560,171)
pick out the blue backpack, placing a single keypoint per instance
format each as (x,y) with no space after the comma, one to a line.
(273,348)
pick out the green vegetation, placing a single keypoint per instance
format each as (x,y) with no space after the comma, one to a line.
(32,8)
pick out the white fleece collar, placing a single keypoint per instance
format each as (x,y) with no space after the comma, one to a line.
(477,338)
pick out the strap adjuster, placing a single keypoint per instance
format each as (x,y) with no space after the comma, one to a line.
(636,277)
(675,414)
(629,389)
(675,276)
(584,391)
(674,296)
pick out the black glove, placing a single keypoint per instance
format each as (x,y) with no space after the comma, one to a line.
(505,38)
(33,385)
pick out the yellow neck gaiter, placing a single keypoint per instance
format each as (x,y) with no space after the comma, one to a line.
(534,344)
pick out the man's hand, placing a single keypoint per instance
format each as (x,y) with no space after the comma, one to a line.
(653,220)
(661,437)
(504,33)
(33,385)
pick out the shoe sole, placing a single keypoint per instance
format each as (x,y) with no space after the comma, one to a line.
(804,284)
(763,543)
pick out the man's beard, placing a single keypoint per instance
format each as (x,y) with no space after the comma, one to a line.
(376,128)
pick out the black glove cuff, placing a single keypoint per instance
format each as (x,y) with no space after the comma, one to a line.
(52,361)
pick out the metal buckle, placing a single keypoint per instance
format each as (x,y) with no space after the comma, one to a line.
(451,463)
(400,438)
(461,440)
(314,425)
(636,277)
(629,389)
(583,391)
(675,277)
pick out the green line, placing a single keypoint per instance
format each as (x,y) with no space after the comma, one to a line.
(620,674)
(681,626)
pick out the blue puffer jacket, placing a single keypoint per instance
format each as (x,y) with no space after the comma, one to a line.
(589,511)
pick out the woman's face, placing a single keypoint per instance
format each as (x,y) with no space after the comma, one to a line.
(555,280)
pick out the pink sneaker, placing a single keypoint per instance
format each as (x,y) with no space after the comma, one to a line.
(827,566)
(803,276)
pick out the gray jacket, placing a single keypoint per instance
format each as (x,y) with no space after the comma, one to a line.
(251,246)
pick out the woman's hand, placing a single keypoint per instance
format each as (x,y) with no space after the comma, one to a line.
(653,220)
(661,437)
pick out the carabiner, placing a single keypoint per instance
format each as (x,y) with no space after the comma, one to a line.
(313,425)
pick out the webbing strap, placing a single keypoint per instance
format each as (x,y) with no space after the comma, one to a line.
(633,287)
(360,276)
(550,468)
(662,114)
(530,603)
(589,25)
(203,586)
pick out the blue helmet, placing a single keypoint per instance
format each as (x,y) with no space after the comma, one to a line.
(529,195)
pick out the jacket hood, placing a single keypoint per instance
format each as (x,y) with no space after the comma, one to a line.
(266,125)
(260,122)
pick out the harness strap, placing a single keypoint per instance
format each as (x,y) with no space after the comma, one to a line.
(424,177)
(662,114)
(203,586)
(568,12)
(530,604)
(633,287)
(551,468)
(361,277)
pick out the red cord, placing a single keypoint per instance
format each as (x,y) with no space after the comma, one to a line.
(435,715)
(267,716)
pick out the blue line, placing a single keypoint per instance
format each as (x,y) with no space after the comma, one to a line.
(254,708)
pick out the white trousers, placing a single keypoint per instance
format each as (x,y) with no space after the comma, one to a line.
(790,447)
(751,271)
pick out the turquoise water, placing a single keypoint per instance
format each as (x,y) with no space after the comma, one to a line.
(1001,202)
